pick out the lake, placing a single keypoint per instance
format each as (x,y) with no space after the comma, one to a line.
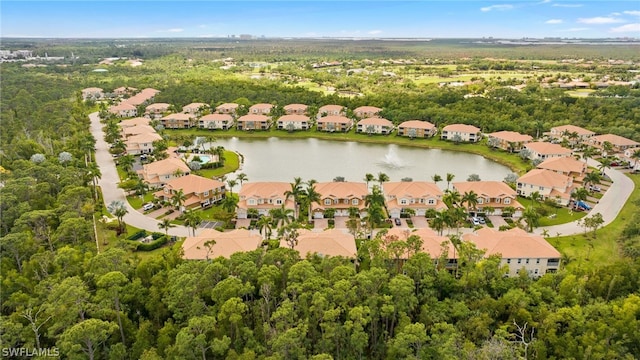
(277,159)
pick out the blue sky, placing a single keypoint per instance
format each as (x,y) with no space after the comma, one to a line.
(425,19)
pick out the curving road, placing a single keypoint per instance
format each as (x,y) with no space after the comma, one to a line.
(609,205)
(109,184)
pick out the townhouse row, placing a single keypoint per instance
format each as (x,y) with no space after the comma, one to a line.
(518,250)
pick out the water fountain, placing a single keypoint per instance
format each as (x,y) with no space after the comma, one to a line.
(392,160)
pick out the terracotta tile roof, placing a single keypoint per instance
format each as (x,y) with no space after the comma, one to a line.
(462,128)
(158,107)
(253,117)
(330,109)
(217,117)
(413,189)
(226,244)
(137,130)
(133,122)
(338,119)
(193,184)
(264,190)
(564,164)
(375,122)
(178,116)
(341,190)
(122,106)
(123,89)
(371,109)
(546,148)
(166,166)
(143,138)
(92,90)
(572,128)
(295,107)
(227,106)
(512,244)
(194,106)
(485,189)
(546,178)
(333,242)
(511,136)
(615,140)
(417,124)
(260,107)
(431,241)
(294,118)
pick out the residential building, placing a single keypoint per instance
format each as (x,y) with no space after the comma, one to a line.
(549,184)
(540,151)
(157,110)
(332,242)
(124,110)
(294,122)
(574,134)
(375,126)
(417,129)
(333,123)
(158,173)
(145,96)
(296,109)
(263,196)
(216,121)
(418,196)
(620,144)
(518,250)
(568,166)
(331,110)
(227,108)
(136,130)
(340,196)
(461,133)
(260,109)
(92,93)
(496,195)
(253,122)
(195,108)
(509,140)
(133,122)
(211,244)
(364,112)
(628,155)
(178,121)
(141,143)
(124,91)
(199,191)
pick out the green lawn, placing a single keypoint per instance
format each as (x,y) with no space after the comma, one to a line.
(231,164)
(137,203)
(561,215)
(585,251)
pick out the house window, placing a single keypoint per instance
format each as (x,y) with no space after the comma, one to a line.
(497,200)
(346,201)
(535,271)
(508,261)
(251,201)
(206,193)
(507,201)
(354,202)
(278,201)
(403,201)
(519,261)
(336,201)
(537,261)
(327,201)
(541,187)
(480,201)
(432,202)
(527,261)
(421,201)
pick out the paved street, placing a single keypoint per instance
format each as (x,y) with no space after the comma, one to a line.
(109,184)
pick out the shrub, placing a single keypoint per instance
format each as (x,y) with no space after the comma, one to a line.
(504,228)
(138,235)
(156,244)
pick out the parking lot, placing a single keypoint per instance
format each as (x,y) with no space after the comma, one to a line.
(210,224)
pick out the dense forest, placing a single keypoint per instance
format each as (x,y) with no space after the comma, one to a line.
(58,292)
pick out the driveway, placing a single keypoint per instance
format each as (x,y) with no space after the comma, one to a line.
(609,205)
(420,222)
(497,221)
(109,184)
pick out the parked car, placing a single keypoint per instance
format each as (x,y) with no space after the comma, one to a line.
(482,220)
(397,221)
(475,221)
(147,206)
(595,188)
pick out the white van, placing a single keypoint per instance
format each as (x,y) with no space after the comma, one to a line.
(147,207)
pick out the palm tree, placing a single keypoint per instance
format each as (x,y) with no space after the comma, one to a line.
(119,210)
(178,199)
(312,196)
(382,177)
(126,162)
(588,152)
(471,199)
(141,188)
(451,198)
(535,197)
(282,216)
(635,156)
(438,222)
(531,216)
(193,220)
(264,224)
(229,204)
(368,178)
(604,164)
(591,178)
(436,178)
(449,179)
(231,183)
(607,148)
(242,177)
(295,193)
(165,225)
(580,194)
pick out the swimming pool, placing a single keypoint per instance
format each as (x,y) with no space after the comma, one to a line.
(204,159)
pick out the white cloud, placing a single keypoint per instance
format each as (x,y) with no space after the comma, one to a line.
(554,21)
(375,32)
(497,7)
(632,28)
(576,29)
(632,12)
(615,14)
(567,5)
(175,30)
(598,20)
